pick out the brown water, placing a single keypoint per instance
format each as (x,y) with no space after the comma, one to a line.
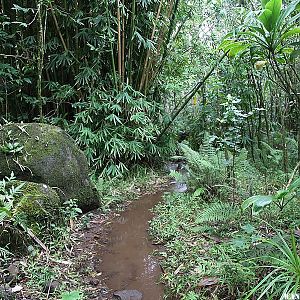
(127,262)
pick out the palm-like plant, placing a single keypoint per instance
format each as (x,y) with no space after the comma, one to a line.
(270,37)
(266,33)
(284,277)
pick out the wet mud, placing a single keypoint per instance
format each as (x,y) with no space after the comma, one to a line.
(127,261)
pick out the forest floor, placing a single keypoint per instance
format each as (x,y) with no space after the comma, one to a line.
(77,266)
(110,254)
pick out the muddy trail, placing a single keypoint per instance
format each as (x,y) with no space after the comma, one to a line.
(127,261)
(119,251)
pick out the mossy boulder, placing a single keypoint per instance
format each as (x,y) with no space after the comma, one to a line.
(46,154)
(35,203)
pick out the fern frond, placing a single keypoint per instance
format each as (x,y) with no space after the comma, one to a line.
(205,167)
(219,212)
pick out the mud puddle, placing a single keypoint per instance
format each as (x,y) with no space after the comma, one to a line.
(127,261)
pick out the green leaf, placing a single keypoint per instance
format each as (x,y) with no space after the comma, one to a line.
(198,192)
(234,47)
(270,14)
(257,202)
(237,48)
(294,185)
(75,295)
(264,2)
(265,18)
(290,33)
(248,228)
(281,194)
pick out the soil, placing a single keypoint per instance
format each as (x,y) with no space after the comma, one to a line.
(115,252)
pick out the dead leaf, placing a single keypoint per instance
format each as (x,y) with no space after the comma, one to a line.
(178,269)
(17,289)
(208,281)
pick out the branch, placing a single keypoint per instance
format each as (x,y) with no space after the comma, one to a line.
(190,95)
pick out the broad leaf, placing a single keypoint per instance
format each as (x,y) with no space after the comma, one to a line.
(257,202)
(266,19)
(291,32)
(237,48)
(281,194)
(270,14)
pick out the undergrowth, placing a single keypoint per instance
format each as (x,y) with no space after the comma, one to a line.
(212,248)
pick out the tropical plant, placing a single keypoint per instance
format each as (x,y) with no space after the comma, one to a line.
(266,34)
(268,37)
(283,277)
(8,192)
(281,198)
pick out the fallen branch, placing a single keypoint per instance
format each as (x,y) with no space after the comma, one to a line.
(190,95)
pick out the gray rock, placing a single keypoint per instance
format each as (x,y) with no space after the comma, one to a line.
(128,295)
(6,293)
(46,154)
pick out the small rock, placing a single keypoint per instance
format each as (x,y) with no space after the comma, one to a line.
(128,295)
(6,293)
(11,272)
(94,281)
(13,269)
(51,286)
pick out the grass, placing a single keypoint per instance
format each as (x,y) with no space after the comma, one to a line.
(211,258)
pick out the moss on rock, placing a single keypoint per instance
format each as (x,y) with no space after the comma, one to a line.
(37,201)
(46,154)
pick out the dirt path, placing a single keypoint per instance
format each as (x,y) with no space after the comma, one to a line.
(115,252)
(127,260)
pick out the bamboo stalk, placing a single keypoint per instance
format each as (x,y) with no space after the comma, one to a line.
(119,41)
(171,16)
(123,44)
(129,75)
(145,69)
(57,27)
(111,46)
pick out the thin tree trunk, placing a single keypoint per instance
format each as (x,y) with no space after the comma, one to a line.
(119,43)
(40,59)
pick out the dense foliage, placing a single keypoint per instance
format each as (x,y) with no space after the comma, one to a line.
(91,68)
(128,78)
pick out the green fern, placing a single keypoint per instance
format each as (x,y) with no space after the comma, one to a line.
(219,212)
(206,167)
